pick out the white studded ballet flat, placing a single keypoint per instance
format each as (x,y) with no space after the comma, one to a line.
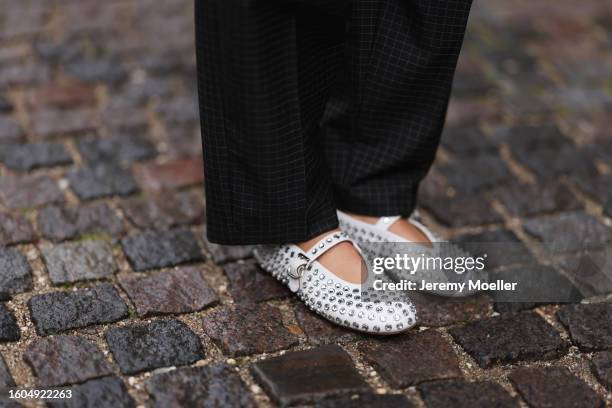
(364,233)
(337,300)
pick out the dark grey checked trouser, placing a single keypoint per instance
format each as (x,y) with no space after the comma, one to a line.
(312,105)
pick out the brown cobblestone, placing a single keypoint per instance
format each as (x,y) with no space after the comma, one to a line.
(463,394)
(408,360)
(171,175)
(53,122)
(248,329)
(243,276)
(14,229)
(29,191)
(293,378)
(586,324)
(553,386)
(181,290)
(55,95)
(65,360)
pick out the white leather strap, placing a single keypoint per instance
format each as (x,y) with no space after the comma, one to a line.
(325,244)
(386,222)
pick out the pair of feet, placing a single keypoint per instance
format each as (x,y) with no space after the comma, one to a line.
(344,261)
(326,273)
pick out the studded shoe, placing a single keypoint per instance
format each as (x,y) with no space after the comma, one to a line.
(337,300)
(371,236)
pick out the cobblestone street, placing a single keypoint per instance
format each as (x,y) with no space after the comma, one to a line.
(107,283)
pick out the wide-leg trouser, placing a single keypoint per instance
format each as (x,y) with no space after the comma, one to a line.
(308,106)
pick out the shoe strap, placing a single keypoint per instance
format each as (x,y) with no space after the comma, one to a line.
(325,244)
(386,222)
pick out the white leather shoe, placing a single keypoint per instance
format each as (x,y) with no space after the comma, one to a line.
(337,300)
(376,234)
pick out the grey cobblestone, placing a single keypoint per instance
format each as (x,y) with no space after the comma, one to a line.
(527,200)
(526,337)
(15,229)
(212,386)
(461,210)
(15,272)
(6,379)
(152,249)
(569,232)
(9,331)
(162,343)
(467,176)
(10,131)
(602,368)
(75,261)
(101,180)
(107,392)
(122,149)
(60,311)
(59,223)
(24,157)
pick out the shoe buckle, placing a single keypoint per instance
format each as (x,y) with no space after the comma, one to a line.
(295,275)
